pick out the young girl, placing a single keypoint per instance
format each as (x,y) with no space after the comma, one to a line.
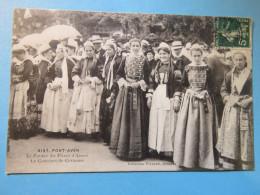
(196,127)
(46,74)
(85,104)
(55,108)
(21,69)
(235,140)
(129,127)
(110,90)
(164,103)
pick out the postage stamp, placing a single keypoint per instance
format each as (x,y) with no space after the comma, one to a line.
(233,32)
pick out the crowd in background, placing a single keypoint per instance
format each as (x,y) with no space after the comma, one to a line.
(190,104)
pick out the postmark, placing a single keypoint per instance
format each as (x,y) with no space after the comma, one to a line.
(232,32)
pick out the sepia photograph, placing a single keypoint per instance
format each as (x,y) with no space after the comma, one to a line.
(129,92)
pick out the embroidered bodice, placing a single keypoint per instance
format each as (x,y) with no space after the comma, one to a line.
(134,67)
(197,77)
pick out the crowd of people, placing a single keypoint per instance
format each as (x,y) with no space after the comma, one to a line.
(163,101)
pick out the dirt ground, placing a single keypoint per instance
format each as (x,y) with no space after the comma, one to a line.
(41,154)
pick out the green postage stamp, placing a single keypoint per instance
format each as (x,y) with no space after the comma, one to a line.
(233,32)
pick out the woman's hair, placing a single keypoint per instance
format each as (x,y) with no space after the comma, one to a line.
(196,49)
(240,53)
(111,45)
(19,52)
(43,53)
(134,40)
(165,49)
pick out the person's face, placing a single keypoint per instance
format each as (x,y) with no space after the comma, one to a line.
(64,42)
(32,51)
(177,51)
(59,53)
(164,56)
(149,56)
(97,45)
(89,52)
(239,61)
(70,51)
(197,57)
(135,47)
(120,44)
(20,56)
(49,54)
(110,51)
(229,61)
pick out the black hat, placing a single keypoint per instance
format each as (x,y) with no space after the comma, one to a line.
(53,44)
(149,51)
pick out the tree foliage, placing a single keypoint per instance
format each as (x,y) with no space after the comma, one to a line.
(166,27)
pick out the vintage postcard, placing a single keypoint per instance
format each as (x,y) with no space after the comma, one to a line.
(122,92)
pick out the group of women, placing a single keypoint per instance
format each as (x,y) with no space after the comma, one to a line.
(140,106)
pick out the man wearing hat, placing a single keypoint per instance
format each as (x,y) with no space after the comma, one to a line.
(100,52)
(71,50)
(178,58)
(20,73)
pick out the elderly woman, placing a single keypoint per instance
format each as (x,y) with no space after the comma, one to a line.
(129,128)
(21,69)
(235,140)
(85,105)
(56,103)
(164,101)
(110,90)
(197,122)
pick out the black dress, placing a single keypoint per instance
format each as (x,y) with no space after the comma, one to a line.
(107,108)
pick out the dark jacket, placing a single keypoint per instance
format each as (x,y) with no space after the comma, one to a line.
(226,86)
(93,65)
(173,84)
(46,75)
(58,71)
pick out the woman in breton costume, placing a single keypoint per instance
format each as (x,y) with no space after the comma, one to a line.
(196,128)
(46,74)
(21,69)
(32,107)
(110,90)
(84,117)
(57,98)
(129,134)
(235,139)
(163,98)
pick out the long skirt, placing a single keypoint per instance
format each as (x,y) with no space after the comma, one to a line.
(55,110)
(84,114)
(235,139)
(129,134)
(18,100)
(195,133)
(106,116)
(18,126)
(163,120)
(32,114)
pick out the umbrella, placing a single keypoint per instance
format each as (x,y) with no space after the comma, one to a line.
(32,40)
(59,32)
